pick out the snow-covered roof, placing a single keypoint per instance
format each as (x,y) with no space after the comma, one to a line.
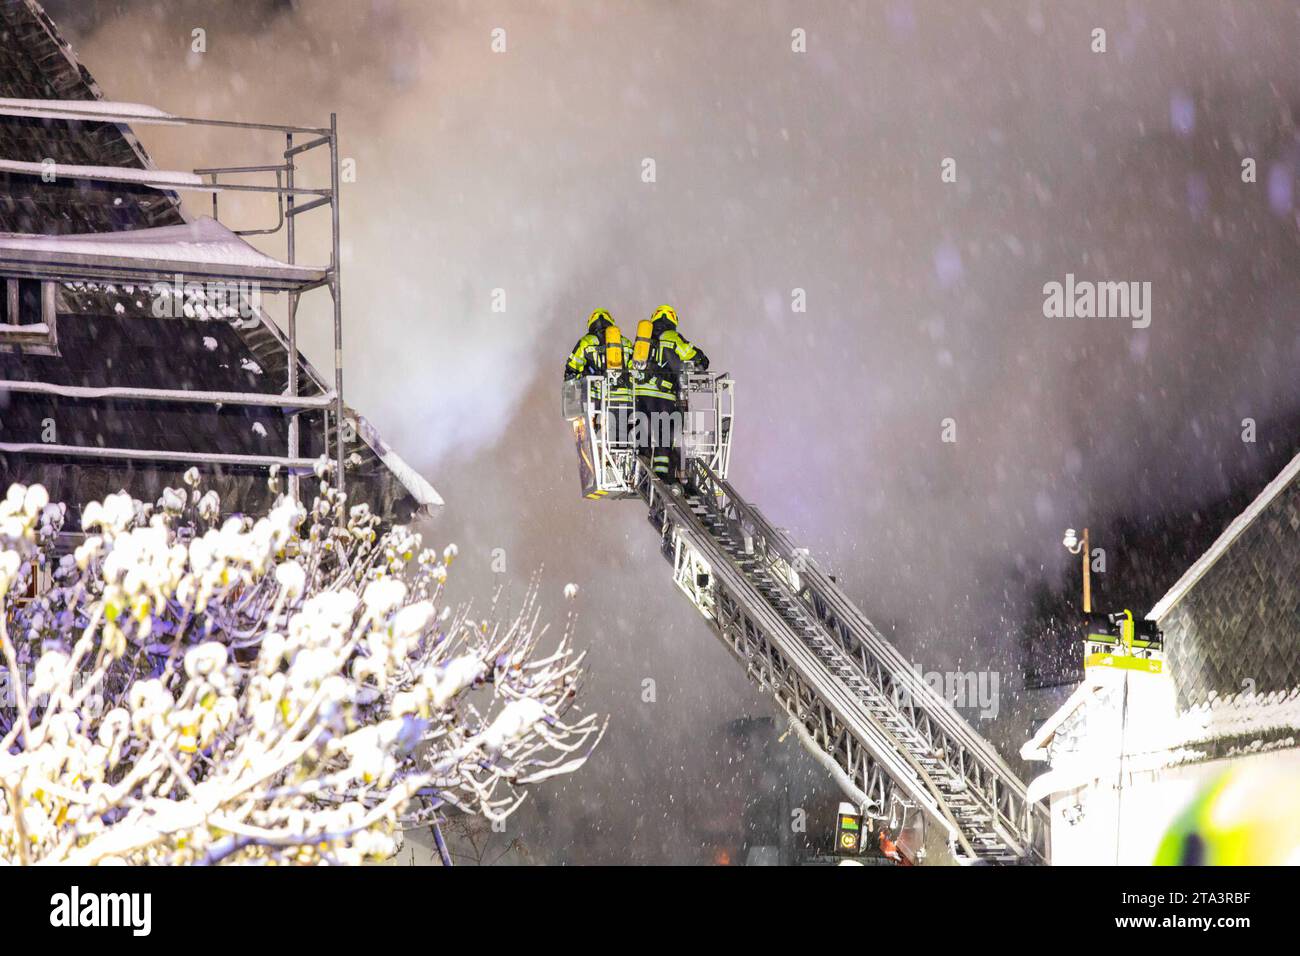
(202,248)
(1036,747)
(159,178)
(101,111)
(424,493)
(1093,729)
(1244,715)
(1225,540)
(119,113)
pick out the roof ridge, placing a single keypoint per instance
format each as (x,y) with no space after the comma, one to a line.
(91,85)
(1235,529)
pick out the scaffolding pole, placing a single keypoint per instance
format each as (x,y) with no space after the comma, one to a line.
(292,310)
(337,294)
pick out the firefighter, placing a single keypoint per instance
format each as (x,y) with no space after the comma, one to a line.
(656,385)
(589,358)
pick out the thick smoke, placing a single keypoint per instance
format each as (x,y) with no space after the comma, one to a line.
(775,171)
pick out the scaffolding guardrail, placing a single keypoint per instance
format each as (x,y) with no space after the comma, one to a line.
(64,267)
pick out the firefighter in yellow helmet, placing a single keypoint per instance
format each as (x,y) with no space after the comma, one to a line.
(588,356)
(591,357)
(656,391)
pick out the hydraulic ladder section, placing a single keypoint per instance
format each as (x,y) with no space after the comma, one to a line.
(798,636)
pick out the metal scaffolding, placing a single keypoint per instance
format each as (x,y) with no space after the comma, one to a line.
(65,263)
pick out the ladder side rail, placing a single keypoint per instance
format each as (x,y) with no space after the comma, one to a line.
(760,634)
(831,604)
(890,667)
(990,779)
(858,630)
(988,776)
(1008,835)
(851,624)
(751,610)
(825,687)
(1008,829)
(800,702)
(765,662)
(978,761)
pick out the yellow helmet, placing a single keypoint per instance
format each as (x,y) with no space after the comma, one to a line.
(665,312)
(597,316)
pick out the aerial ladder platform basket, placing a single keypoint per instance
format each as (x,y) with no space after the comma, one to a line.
(605,427)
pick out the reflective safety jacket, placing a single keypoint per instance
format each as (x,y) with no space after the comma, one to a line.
(668,351)
(588,358)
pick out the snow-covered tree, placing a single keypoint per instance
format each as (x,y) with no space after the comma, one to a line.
(290,689)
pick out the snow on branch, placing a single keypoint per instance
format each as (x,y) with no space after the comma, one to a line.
(287,689)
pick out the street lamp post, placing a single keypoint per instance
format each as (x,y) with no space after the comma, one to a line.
(1075,545)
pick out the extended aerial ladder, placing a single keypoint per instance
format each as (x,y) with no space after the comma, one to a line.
(897,744)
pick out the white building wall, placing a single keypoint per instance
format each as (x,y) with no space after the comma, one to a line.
(1101,824)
